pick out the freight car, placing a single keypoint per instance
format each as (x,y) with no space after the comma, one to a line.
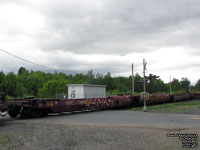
(157,99)
(166,98)
(120,101)
(195,96)
(181,97)
(33,107)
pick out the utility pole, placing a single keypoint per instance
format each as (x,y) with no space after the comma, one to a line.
(144,69)
(133,79)
(170,86)
(190,88)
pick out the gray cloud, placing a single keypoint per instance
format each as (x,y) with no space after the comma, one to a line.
(115,26)
(111,27)
(119,26)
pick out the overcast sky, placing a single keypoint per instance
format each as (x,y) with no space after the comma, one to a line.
(103,35)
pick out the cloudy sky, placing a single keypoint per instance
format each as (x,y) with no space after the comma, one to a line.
(103,35)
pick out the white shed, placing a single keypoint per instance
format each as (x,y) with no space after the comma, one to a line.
(76,91)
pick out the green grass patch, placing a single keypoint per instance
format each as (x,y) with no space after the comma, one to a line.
(172,107)
(4,140)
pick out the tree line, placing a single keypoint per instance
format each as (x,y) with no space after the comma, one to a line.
(40,84)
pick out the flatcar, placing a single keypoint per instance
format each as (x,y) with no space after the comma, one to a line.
(36,107)
(167,98)
(182,97)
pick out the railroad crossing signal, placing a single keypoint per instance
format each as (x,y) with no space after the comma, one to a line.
(152,77)
(149,78)
(155,77)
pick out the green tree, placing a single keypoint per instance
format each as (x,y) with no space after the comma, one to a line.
(9,84)
(185,83)
(157,86)
(53,87)
(90,77)
(35,81)
(21,86)
(23,70)
(138,83)
(20,91)
(175,85)
(107,80)
(2,76)
(197,85)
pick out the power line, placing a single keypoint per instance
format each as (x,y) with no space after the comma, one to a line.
(21,58)
(33,63)
(129,24)
(110,30)
(137,21)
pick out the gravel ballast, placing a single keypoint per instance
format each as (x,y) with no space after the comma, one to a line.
(102,130)
(26,136)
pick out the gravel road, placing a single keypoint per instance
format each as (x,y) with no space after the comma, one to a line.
(66,133)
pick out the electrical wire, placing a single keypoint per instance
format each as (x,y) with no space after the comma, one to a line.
(33,63)
(122,24)
(113,33)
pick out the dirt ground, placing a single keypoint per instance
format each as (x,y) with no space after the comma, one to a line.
(25,136)
(55,133)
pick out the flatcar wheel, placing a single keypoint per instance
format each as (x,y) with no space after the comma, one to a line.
(14,112)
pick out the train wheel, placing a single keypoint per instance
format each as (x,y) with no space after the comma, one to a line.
(14,112)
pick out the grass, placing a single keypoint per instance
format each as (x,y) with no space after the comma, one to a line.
(172,107)
(4,140)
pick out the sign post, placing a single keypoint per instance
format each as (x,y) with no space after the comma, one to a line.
(133,79)
(144,69)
